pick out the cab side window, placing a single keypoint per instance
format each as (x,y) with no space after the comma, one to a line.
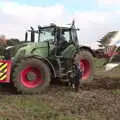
(67,36)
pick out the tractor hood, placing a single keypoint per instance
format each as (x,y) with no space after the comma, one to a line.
(28,49)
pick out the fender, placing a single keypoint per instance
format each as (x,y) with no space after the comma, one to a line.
(87,48)
(84,48)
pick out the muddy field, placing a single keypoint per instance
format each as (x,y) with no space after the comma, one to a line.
(96,100)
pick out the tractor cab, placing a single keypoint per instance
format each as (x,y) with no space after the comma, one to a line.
(58,38)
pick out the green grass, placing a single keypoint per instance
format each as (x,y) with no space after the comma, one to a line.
(116,91)
(23,107)
(100,70)
(99,63)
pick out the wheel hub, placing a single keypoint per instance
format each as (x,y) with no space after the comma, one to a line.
(31,76)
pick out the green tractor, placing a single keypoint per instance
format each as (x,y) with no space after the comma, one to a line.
(49,55)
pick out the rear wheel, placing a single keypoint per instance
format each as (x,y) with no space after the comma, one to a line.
(85,59)
(31,75)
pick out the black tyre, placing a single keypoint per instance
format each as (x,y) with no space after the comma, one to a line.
(31,75)
(85,59)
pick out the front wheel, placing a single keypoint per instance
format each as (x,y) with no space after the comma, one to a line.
(85,59)
(31,75)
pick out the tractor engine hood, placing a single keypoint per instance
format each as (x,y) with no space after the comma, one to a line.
(10,51)
(30,49)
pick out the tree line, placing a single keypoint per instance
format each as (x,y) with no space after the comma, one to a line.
(8,42)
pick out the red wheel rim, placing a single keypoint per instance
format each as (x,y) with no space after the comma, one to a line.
(36,81)
(85,66)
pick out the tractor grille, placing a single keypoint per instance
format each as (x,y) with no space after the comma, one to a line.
(9,53)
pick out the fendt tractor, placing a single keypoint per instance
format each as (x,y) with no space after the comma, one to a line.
(49,54)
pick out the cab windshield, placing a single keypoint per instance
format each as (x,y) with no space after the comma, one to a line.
(47,34)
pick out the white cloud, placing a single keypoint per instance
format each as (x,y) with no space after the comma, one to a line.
(95,25)
(30,13)
(109,2)
(15,18)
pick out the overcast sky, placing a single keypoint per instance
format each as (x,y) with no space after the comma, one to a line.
(94,17)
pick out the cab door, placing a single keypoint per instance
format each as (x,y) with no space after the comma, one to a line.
(70,48)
